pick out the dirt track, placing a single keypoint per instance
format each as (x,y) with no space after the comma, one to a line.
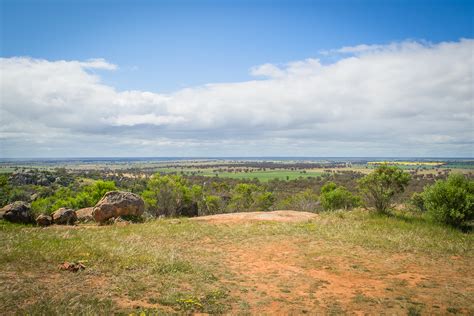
(277,216)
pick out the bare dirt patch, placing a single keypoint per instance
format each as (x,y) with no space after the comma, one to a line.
(293,276)
(276,216)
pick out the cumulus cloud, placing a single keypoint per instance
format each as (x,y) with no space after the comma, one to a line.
(407,98)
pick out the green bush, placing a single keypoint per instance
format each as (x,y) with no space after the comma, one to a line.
(212,204)
(451,201)
(381,185)
(250,197)
(334,197)
(171,195)
(305,200)
(417,201)
(86,196)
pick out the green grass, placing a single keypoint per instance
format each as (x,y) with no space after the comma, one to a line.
(168,266)
(263,176)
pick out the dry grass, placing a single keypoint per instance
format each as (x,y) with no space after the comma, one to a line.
(337,262)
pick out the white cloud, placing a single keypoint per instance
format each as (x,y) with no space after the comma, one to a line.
(404,98)
(267,70)
(98,63)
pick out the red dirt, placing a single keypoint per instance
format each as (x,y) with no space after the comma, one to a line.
(276,216)
(280,278)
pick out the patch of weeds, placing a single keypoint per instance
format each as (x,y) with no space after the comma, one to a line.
(428,284)
(147,312)
(359,268)
(361,298)
(335,309)
(452,310)
(244,306)
(177,266)
(317,284)
(213,302)
(285,290)
(190,304)
(135,289)
(414,311)
(400,283)
(71,305)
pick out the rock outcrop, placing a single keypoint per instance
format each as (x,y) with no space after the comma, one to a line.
(118,203)
(17,212)
(44,220)
(64,216)
(84,215)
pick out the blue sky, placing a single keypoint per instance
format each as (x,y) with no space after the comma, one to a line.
(236,78)
(161,46)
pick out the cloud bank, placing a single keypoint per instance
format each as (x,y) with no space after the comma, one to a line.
(401,99)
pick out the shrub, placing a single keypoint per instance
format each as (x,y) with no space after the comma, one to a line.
(417,200)
(380,186)
(212,204)
(305,200)
(451,201)
(334,197)
(246,197)
(91,194)
(87,196)
(171,195)
(264,201)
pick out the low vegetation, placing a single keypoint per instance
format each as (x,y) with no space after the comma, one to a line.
(377,263)
(175,194)
(451,201)
(380,187)
(359,252)
(334,197)
(76,196)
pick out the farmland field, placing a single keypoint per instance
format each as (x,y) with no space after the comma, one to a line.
(260,175)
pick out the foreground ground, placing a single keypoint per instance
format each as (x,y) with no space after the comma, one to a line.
(352,262)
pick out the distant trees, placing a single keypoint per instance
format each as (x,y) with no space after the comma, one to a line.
(447,201)
(450,201)
(380,186)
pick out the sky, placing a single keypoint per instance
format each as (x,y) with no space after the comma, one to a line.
(236,78)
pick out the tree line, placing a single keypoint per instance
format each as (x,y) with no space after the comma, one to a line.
(448,200)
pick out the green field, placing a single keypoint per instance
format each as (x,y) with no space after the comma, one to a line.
(266,175)
(263,176)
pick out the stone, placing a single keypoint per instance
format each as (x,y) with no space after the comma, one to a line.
(17,212)
(118,203)
(84,215)
(64,216)
(119,221)
(44,220)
